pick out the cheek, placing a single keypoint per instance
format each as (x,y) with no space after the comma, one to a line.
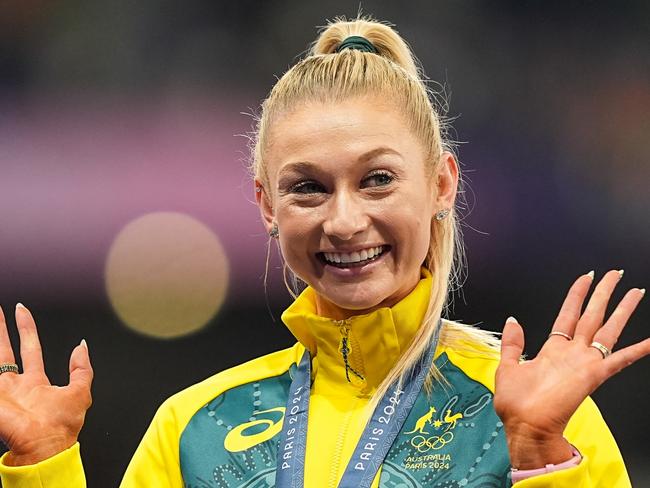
(425,242)
(412,220)
(297,235)
(419,239)
(414,234)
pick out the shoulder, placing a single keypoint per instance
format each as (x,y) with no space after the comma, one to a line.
(180,407)
(473,351)
(479,367)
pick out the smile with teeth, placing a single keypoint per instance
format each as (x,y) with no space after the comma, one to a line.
(352,259)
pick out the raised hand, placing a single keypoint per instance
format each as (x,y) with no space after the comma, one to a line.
(37,419)
(535,399)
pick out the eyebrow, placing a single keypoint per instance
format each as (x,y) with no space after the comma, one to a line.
(306,166)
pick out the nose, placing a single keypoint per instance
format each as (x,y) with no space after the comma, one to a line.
(346,216)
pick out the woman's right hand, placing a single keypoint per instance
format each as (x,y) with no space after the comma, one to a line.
(37,419)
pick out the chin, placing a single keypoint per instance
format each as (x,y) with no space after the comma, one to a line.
(357,293)
(357,302)
(357,306)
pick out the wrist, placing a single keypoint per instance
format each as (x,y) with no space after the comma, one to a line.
(37,453)
(522,474)
(532,449)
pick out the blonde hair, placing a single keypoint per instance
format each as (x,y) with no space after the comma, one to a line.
(327,76)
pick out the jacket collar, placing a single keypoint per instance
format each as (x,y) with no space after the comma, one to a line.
(375,340)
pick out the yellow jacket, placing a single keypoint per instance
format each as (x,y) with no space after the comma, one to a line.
(223,432)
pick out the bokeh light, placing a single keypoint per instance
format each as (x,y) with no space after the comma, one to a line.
(166,275)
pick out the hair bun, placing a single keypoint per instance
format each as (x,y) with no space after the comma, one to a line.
(385,40)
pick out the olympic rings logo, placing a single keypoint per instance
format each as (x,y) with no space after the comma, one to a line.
(424,444)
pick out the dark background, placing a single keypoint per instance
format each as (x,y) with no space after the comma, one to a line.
(112,110)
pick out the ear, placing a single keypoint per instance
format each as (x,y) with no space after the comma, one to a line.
(446,181)
(264,202)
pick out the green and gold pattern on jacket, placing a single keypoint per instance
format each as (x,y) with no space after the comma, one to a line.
(454,439)
(232,441)
(451,439)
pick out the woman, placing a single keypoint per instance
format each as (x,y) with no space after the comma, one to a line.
(353,179)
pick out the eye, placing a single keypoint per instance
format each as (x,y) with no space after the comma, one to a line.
(378,178)
(306,187)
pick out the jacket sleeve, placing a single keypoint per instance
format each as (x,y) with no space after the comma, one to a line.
(63,470)
(156,460)
(602,464)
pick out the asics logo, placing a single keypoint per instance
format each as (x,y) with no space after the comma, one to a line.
(238,440)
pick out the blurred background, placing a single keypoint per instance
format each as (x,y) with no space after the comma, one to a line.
(127,216)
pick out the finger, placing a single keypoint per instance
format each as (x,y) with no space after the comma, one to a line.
(625,357)
(30,346)
(609,333)
(81,372)
(6,352)
(593,316)
(512,342)
(571,308)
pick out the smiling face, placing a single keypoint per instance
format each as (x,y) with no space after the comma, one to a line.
(353,200)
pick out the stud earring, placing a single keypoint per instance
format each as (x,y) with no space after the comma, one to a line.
(441,214)
(274,232)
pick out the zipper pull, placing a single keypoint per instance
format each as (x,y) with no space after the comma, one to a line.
(344,329)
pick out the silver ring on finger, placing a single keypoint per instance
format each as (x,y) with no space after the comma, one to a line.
(8,368)
(562,334)
(603,350)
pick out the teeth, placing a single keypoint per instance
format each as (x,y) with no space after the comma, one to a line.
(354,257)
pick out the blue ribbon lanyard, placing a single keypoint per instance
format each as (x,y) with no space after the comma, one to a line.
(377,438)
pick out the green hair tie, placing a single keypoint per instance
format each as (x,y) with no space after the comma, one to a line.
(359,43)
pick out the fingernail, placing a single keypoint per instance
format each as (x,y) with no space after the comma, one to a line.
(20,305)
(84,343)
(620,272)
(511,319)
(591,274)
(642,290)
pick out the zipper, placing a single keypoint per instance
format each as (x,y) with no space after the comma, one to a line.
(344,329)
(346,349)
(336,459)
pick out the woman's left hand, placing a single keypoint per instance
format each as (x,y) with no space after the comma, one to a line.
(535,399)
